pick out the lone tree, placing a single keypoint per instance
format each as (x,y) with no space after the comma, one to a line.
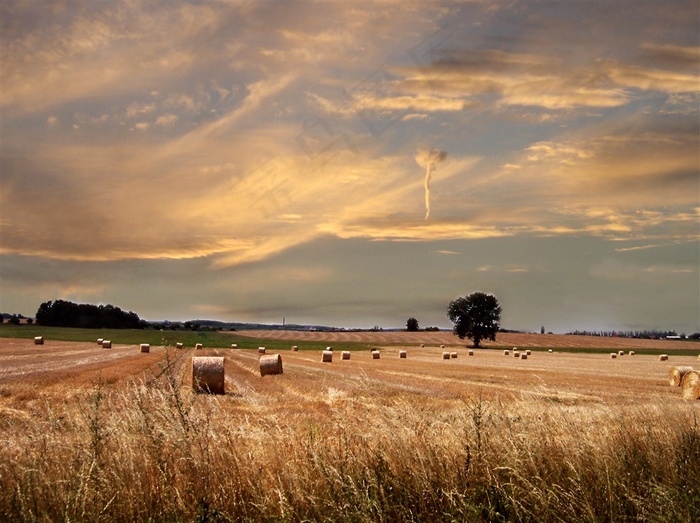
(412,325)
(477,317)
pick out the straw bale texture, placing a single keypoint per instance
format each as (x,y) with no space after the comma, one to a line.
(38,340)
(402,354)
(346,354)
(690,386)
(327,356)
(208,374)
(675,375)
(145,347)
(270,364)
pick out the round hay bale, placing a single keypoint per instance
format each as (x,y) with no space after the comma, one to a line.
(270,364)
(523,355)
(198,346)
(445,355)
(208,374)
(145,347)
(690,386)
(38,340)
(295,348)
(453,355)
(631,353)
(621,353)
(106,344)
(528,352)
(699,356)
(663,357)
(375,354)
(422,346)
(470,352)
(329,348)
(327,356)
(516,354)
(506,352)
(613,355)
(675,375)
(402,354)
(100,340)
(262,350)
(442,346)
(346,354)
(551,351)
(178,345)
(234,345)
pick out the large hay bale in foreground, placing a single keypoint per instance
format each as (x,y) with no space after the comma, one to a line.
(38,340)
(327,356)
(145,347)
(208,374)
(663,357)
(675,375)
(690,386)
(270,364)
(346,354)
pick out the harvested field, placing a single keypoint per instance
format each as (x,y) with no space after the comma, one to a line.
(435,339)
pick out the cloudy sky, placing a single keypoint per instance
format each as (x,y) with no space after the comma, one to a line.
(353,163)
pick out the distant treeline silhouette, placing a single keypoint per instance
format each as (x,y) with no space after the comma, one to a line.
(644,335)
(62,313)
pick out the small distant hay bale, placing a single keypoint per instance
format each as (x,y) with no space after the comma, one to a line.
(327,356)
(515,349)
(631,353)
(516,354)
(198,346)
(145,347)
(402,354)
(422,346)
(262,350)
(442,346)
(445,355)
(375,354)
(699,356)
(470,352)
(106,344)
(208,374)
(675,375)
(234,345)
(270,364)
(613,355)
(621,353)
(550,351)
(690,386)
(295,348)
(528,352)
(523,355)
(100,340)
(663,357)
(453,355)
(506,352)
(178,345)
(346,354)
(329,348)
(38,340)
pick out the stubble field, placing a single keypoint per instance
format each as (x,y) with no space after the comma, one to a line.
(89,433)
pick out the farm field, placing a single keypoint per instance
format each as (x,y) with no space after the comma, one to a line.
(89,433)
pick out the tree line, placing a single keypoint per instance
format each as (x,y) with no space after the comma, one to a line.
(61,313)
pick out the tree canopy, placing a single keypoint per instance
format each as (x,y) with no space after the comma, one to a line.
(476,316)
(412,325)
(62,313)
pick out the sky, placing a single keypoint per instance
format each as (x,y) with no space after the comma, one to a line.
(354,163)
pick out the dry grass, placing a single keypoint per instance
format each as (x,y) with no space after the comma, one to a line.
(362,440)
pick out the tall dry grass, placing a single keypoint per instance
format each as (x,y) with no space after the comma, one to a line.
(154,451)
